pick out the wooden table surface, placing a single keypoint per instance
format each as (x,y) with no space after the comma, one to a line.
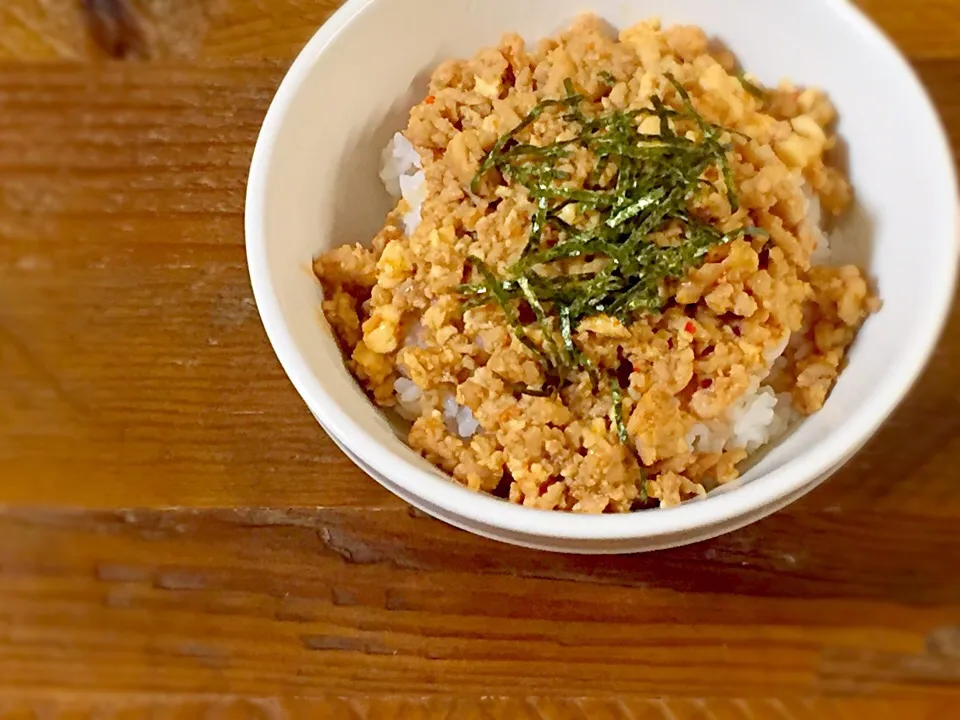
(178,535)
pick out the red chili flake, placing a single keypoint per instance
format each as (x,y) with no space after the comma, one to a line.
(525,313)
(690,327)
(705,383)
(431,99)
(623,373)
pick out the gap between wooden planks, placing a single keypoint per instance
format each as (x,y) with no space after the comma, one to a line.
(96,707)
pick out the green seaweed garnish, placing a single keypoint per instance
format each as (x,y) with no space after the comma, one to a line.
(635,214)
(607,77)
(758,92)
(644,496)
(501,294)
(616,408)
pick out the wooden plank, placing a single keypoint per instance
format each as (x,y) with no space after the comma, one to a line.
(922,30)
(348,601)
(44,30)
(131,346)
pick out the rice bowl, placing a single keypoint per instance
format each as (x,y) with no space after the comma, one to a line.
(529,176)
(293,200)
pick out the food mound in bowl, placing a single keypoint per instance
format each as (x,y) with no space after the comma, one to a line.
(600,289)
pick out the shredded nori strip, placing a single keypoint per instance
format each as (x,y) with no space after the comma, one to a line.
(616,408)
(758,92)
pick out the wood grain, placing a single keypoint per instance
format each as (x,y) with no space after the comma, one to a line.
(79,707)
(130,339)
(270,601)
(252,30)
(179,539)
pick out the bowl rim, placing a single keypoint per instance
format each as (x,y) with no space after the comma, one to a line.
(479,507)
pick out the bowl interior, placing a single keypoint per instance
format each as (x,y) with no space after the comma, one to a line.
(314,185)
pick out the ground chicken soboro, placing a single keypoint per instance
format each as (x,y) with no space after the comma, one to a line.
(755,320)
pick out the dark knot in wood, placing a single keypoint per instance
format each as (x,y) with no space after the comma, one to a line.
(114,28)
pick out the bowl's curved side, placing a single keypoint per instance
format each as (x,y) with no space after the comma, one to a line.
(588,546)
(288,220)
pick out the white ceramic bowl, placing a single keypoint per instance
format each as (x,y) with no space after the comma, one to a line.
(314,184)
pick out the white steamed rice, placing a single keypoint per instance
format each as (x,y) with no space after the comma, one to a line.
(821,252)
(402,175)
